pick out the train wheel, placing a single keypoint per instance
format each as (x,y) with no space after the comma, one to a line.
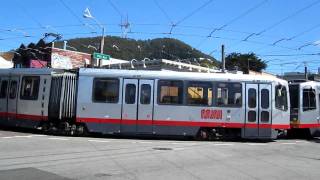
(203,134)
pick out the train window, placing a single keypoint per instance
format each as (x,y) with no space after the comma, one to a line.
(13,89)
(281,98)
(265,100)
(30,87)
(309,99)
(252,116)
(264,116)
(3,89)
(105,90)
(170,92)
(145,94)
(229,94)
(252,98)
(130,94)
(199,93)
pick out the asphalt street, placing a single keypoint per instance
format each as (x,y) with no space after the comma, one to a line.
(27,156)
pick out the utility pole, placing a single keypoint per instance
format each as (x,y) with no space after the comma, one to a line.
(223,59)
(305,71)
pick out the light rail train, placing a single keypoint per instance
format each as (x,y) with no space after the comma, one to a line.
(142,102)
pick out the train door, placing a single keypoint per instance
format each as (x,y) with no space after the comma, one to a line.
(265,110)
(137,106)
(12,99)
(129,106)
(4,83)
(258,110)
(145,107)
(252,110)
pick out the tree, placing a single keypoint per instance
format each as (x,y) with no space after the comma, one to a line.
(243,61)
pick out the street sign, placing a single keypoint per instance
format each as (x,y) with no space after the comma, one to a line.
(101,56)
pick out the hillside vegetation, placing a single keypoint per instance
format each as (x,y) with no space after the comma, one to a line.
(127,49)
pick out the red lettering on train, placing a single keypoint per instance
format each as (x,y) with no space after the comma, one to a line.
(211,114)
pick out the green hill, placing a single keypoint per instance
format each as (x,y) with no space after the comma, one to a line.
(127,49)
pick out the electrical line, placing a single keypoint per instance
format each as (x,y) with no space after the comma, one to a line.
(115,8)
(194,12)
(283,20)
(163,11)
(74,14)
(238,17)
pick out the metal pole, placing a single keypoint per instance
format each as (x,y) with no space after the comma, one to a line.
(223,59)
(101,45)
(305,71)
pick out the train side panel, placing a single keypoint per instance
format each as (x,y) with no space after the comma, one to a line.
(98,114)
(32,104)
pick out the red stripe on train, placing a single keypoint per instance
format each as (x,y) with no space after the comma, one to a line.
(181,123)
(24,116)
(313,125)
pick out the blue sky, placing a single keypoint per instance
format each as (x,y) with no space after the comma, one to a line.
(242,25)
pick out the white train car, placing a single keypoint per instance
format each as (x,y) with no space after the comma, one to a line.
(182,103)
(305,107)
(24,97)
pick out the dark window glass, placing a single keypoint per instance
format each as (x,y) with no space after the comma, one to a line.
(309,99)
(281,99)
(170,92)
(13,89)
(30,87)
(199,93)
(264,116)
(105,90)
(265,100)
(252,116)
(130,94)
(145,94)
(252,98)
(229,94)
(3,89)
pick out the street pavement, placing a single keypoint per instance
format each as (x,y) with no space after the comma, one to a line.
(28,156)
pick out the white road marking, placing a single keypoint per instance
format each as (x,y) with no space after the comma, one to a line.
(223,144)
(288,143)
(256,144)
(100,141)
(9,137)
(28,136)
(62,139)
(144,142)
(39,135)
(178,149)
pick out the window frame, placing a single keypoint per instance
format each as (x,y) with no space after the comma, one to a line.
(255,98)
(127,97)
(268,99)
(309,108)
(171,104)
(149,94)
(190,83)
(16,89)
(33,98)
(6,92)
(93,90)
(275,100)
(216,86)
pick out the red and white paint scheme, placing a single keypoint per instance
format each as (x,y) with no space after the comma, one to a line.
(182,103)
(305,106)
(142,102)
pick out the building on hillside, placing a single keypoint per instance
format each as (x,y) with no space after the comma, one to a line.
(42,55)
(5,63)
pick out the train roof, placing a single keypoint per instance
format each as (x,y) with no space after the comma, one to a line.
(30,71)
(177,75)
